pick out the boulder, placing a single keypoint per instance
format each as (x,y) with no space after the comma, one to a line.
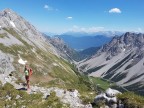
(111,92)
(109,98)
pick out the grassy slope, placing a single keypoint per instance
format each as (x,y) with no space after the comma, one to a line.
(132,100)
(49,70)
(100,83)
(41,61)
(12,98)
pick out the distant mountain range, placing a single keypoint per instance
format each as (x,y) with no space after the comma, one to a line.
(103,33)
(84,42)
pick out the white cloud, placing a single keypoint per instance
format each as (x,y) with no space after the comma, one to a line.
(69,18)
(115,10)
(46,6)
(49,8)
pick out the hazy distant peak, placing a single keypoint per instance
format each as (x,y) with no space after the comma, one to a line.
(106,33)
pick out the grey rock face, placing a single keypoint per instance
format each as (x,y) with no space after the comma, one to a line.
(8,39)
(121,61)
(6,63)
(109,97)
(126,41)
(62,48)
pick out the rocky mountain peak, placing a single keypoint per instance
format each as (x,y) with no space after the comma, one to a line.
(12,23)
(10,19)
(8,11)
(122,43)
(9,14)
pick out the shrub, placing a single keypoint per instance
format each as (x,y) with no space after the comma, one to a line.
(131,100)
(53,101)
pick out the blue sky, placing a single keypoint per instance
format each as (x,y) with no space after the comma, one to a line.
(58,16)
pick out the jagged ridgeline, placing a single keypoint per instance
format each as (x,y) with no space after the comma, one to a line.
(120,61)
(18,38)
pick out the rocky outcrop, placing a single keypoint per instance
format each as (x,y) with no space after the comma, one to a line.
(108,98)
(6,66)
(66,96)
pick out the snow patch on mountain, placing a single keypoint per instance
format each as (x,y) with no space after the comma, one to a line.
(12,23)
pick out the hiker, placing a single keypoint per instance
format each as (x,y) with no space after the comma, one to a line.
(28,72)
